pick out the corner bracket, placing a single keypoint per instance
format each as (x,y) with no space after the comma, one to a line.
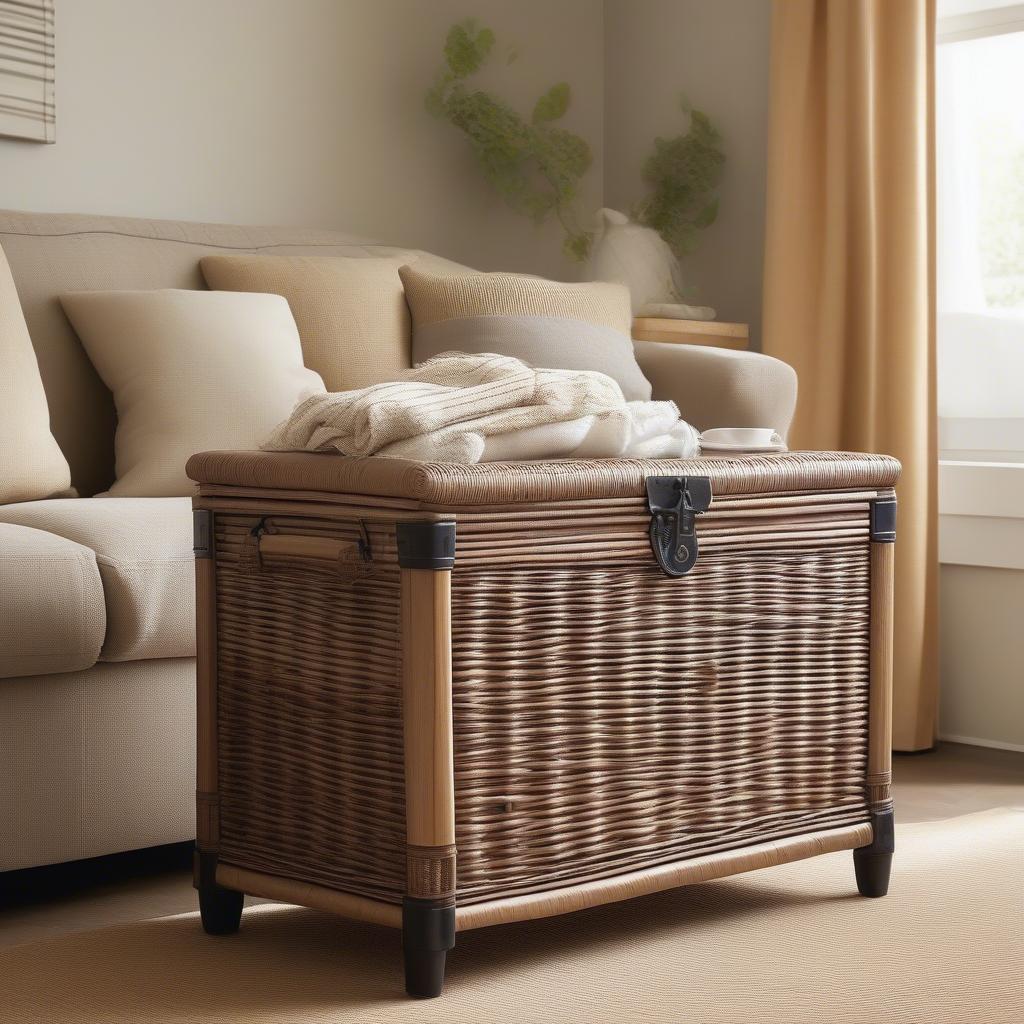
(883,520)
(429,545)
(202,533)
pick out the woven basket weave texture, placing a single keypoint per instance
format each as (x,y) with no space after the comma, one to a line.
(606,717)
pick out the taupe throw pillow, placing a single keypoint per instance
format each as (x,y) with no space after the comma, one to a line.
(544,323)
(190,371)
(350,311)
(32,465)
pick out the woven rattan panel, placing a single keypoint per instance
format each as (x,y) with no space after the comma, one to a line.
(609,718)
(309,716)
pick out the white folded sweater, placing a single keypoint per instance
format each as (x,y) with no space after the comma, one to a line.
(487,408)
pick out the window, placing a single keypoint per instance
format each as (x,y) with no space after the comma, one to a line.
(980,277)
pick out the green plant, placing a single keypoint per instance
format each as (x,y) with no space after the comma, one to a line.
(535,165)
(682,174)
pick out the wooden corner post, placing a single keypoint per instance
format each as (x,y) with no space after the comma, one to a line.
(426,554)
(873,863)
(221,909)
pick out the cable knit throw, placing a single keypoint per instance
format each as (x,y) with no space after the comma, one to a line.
(487,408)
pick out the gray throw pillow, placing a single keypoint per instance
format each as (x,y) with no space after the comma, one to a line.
(544,323)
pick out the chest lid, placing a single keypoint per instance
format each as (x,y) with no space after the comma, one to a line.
(433,484)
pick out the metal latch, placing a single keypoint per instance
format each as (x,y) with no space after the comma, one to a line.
(675,502)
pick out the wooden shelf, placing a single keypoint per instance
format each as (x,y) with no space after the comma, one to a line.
(691,332)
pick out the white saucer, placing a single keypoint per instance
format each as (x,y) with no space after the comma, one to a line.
(737,449)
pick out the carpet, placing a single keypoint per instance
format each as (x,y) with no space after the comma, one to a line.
(785,945)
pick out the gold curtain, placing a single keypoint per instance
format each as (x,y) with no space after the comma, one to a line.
(849,275)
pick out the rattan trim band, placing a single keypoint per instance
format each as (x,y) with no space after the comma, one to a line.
(557,901)
(667,876)
(287,890)
(233,498)
(430,872)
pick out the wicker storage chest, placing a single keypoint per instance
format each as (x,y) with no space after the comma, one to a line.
(440,697)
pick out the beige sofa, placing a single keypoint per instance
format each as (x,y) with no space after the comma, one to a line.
(96,594)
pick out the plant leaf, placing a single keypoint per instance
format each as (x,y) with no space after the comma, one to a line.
(577,246)
(701,124)
(707,216)
(536,167)
(466,49)
(436,95)
(484,43)
(553,104)
(682,173)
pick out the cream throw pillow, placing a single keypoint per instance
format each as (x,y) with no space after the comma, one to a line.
(544,323)
(32,465)
(350,311)
(190,371)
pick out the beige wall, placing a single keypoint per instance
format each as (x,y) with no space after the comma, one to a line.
(306,112)
(717,54)
(982,652)
(311,112)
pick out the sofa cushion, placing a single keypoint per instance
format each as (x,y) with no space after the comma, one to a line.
(582,326)
(143,547)
(190,371)
(351,312)
(52,616)
(97,762)
(31,464)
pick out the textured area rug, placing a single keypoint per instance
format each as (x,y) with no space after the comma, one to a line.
(785,945)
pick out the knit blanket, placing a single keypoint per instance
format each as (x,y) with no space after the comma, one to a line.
(487,408)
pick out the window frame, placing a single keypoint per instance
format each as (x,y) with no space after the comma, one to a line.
(981,461)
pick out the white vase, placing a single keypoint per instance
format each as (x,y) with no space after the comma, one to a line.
(639,258)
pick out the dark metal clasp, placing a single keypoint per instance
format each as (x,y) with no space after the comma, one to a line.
(675,502)
(252,557)
(363,543)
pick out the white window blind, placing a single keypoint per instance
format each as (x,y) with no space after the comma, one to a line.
(26,70)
